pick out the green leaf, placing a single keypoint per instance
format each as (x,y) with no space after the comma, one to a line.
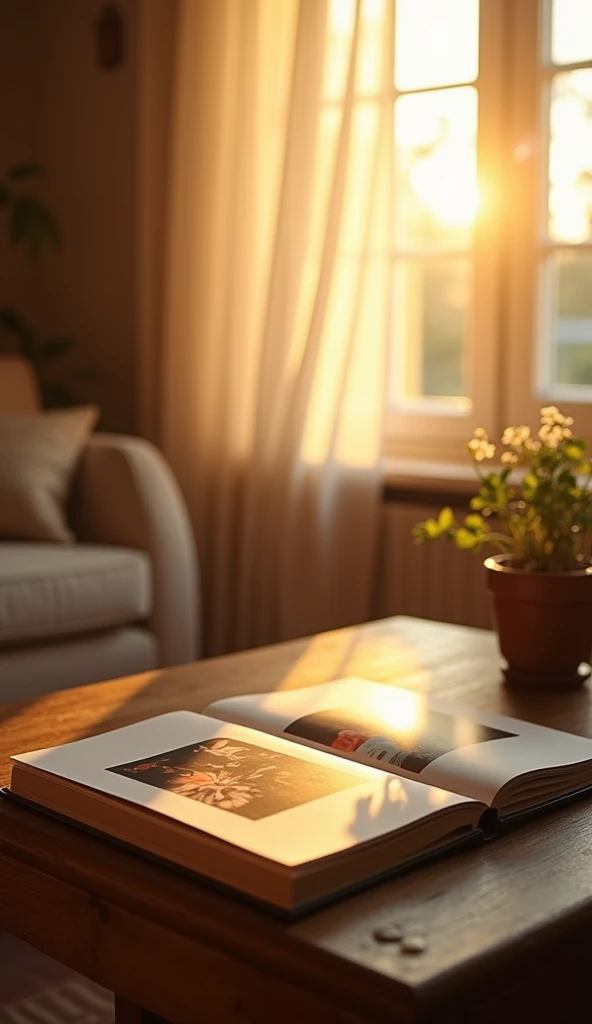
(500,493)
(31,224)
(419,532)
(465,539)
(445,519)
(531,481)
(432,528)
(474,522)
(477,504)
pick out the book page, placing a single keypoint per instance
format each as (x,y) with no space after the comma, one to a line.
(412,735)
(261,793)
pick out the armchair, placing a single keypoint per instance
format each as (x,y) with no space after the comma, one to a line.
(122,599)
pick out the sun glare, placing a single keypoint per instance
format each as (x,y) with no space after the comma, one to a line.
(436,49)
(449,191)
(423,56)
(403,710)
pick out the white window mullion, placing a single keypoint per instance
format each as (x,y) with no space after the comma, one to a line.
(523,211)
(491,225)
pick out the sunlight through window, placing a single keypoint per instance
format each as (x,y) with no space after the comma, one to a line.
(488,208)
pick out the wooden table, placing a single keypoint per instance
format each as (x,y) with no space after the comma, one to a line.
(508,927)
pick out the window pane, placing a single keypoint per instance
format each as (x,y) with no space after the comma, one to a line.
(436,42)
(570,156)
(569,304)
(431,306)
(435,169)
(571,31)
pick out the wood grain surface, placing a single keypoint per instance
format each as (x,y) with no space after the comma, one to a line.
(508,927)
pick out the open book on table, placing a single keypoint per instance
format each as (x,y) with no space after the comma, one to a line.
(294,797)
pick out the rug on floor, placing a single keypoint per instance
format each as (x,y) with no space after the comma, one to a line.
(75,1001)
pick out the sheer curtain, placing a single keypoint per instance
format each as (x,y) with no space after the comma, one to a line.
(270,371)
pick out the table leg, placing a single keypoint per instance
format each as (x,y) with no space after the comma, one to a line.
(131,1013)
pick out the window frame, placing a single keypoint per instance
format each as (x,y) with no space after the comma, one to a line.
(512,148)
(532,73)
(440,427)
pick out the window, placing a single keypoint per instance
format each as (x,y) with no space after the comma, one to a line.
(436,60)
(550,240)
(492,218)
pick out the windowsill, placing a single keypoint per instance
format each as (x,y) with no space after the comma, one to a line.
(420,480)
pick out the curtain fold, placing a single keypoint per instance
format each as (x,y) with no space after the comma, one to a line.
(275,320)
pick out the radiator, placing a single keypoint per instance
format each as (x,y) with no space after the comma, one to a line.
(431,581)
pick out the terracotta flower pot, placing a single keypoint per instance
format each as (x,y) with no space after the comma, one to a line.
(544,624)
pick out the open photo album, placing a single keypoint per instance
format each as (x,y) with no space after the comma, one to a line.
(294,797)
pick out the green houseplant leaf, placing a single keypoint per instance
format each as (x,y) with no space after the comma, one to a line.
(30,223)
(32,227)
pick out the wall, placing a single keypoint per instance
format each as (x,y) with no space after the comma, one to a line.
(86,137)
(431,581)
(58,107)
(18,96)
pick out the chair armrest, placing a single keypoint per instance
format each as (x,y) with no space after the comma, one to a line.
(125,493)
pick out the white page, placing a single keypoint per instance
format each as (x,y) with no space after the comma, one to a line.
(322,806)
(458,748)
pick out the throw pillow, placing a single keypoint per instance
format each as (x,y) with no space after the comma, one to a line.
(38,456)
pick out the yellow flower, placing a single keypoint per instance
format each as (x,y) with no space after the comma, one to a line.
(514,437)
(550,416)
(487,451)
(480,447)
(552,434)
(544,524)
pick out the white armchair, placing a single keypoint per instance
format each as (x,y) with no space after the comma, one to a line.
(125,597)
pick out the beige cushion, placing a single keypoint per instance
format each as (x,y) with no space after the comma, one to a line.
(38,456)
(49,590)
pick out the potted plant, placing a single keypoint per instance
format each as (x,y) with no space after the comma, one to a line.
(535,509)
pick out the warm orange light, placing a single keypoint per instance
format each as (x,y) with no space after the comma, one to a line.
(448,188)
(402,710)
